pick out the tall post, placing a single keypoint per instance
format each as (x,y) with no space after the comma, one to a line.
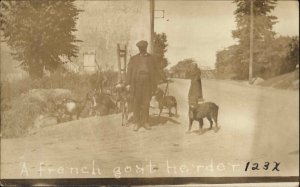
(152,5)
(119,61)
(251,43)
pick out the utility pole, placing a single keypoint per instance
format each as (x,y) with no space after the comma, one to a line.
(152,5)
(251,43)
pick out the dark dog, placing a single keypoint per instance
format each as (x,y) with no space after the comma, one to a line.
(207,110)
(165,101)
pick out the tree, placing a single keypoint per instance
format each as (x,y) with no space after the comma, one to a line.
(228,62)
(262,34)
(185,66)
(280,56)
(40,32)
(160,48)
(263,22)
(4,7)
(292,59)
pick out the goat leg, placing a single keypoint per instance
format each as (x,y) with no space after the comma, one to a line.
(170,113)
(122,119)
(70,117)
(160,110)
(123,113)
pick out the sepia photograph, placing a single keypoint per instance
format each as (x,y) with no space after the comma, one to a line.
(149,92)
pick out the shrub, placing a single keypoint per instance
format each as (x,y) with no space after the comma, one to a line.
(19,118)
(22,101)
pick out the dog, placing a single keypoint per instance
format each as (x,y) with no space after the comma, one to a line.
(207,110)
(168,102)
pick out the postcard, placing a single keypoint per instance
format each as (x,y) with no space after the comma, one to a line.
(140,92)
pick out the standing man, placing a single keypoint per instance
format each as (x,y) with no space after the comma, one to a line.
(141,81)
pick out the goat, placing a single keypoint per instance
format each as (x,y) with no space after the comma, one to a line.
(105,104)
(91,97)
(123,101)
(165,101)
(70,107)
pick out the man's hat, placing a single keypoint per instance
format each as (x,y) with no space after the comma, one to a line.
(142,43)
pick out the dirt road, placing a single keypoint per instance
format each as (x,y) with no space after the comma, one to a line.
(256,125)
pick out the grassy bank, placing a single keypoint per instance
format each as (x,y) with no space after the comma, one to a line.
(22,101)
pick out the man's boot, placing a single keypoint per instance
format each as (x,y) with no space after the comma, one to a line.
(147,126)
(136,127)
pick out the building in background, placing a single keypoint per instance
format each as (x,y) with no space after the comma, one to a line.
(207,72)
(104,24)
(89,62)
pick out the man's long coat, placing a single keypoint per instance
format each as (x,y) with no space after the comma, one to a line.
(133,70)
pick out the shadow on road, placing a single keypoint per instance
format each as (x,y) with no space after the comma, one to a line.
(161,120)
(205,130)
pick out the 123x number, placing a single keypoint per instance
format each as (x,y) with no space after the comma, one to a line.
(265,166)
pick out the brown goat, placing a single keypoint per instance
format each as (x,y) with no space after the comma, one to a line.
(168,102)
(123,102)
(105,104)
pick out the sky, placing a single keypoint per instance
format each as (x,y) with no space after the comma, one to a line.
(198,29)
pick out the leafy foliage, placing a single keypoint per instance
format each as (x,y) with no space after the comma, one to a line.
(279,56)
(263,22)
(272,55)
(160,48)
(292,60)
(185,67)
(39,32)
